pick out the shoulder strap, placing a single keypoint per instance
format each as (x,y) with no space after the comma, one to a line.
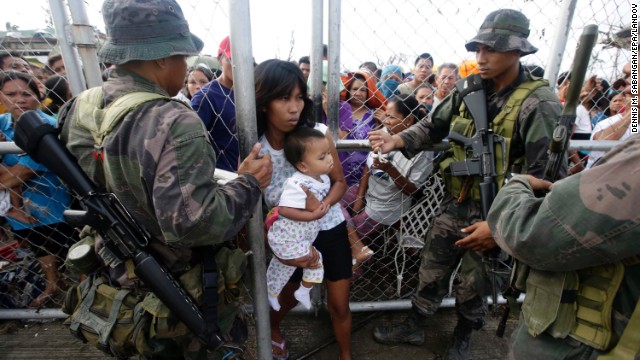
(507,117)
(100,121)
(210,288)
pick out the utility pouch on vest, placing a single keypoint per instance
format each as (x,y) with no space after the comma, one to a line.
(454,183)
(575,303)
(120,322)
(108,318)
(550,302)
(598,289)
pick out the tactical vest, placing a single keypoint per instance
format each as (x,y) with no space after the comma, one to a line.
(91,118)
(503,124)
(578,304)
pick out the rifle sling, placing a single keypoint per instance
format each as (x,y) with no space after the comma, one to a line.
(210,288)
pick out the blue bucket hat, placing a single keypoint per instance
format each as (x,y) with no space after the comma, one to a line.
(145,30)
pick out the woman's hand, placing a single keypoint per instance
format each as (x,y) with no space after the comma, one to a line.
(321,210)
(379,115)
(310,261)
(382,165)
(587,90)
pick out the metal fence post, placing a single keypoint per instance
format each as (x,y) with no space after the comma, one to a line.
(333,84)
(69,55)
(85,41)
(244,88)
(316,58)
(560,41)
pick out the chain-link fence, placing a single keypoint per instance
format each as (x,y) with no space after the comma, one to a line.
(381,52)
(34,238)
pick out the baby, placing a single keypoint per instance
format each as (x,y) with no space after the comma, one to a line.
(293,232)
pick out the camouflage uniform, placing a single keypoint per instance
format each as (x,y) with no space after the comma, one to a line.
(530,142)
(158,159)
(536,121)
(586,220)
(160,164)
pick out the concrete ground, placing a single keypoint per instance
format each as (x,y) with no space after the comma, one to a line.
(309,337)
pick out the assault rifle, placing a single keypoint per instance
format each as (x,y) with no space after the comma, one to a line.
(123,237)
(482,160)
(564,127)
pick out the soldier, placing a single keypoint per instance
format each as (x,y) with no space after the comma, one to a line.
(155,154)
(581,244)
(522,110)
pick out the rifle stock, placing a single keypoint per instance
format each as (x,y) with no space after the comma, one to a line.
(124,238)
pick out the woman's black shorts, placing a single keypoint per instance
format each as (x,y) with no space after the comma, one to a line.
(333,244)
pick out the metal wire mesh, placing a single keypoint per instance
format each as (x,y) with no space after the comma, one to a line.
(380,32)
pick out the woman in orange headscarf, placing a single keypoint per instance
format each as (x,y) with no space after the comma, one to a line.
(368,106)
(366,102)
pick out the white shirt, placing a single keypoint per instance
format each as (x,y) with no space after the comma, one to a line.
(583,120)
(385,202)
(603,125)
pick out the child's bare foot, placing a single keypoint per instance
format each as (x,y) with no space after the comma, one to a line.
(21,216)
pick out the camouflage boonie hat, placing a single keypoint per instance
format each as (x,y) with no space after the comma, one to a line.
(145,30)
(504,30)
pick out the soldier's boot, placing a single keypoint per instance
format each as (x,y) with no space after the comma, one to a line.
(411,331)
(460,348)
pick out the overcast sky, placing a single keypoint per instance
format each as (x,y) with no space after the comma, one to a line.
(376,30)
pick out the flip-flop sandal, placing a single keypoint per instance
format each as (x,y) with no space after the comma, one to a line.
(281,346)
(363,256)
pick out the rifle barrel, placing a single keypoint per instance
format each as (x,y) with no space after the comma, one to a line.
(579,71)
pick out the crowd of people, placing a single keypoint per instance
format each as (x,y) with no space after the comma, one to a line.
(325,211)
(33,198)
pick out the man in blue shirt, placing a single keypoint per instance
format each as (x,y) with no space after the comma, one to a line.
(215,104)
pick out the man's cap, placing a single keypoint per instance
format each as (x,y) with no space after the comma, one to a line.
(504,30)
(225,48)
(145,30)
